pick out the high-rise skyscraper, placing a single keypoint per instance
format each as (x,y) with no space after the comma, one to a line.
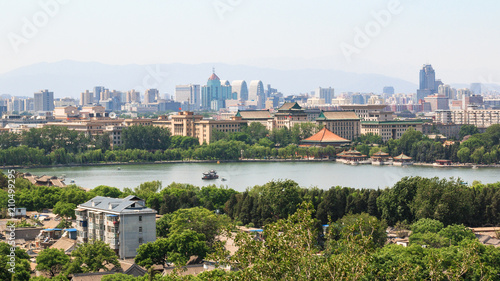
(133,97)
(44,101)
(240,88)
(445,90)
(86,98)
(388,90)
(98,93)
(256,93)
(214,94)
(188,93)
(475,88)
(151,96)
(461,93)
(327,94)
(427,85)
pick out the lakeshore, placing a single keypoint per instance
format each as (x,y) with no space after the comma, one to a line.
(453,165)
(242,174)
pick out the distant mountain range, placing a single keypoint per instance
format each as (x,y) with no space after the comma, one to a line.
(70,78)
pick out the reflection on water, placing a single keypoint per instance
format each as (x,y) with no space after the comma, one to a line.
(242,175)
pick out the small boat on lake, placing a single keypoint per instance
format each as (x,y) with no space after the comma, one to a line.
(210,175)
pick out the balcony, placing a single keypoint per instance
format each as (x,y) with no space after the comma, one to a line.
(82,223)
(81,218)
(113,243)
(112,223)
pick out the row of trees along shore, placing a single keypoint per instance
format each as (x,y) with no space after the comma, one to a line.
(194,219)
(412,198)
(54,145)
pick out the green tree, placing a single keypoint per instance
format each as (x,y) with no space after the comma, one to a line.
(107,191)
(102,142)
(65,210)
(394,203)
(369,138)
(281,197)
(183,245)
(467,130)
(197,219)
(359,227)
(289,252)
(9,140)
(145,137)
(177,248)
(92,257)
(408,139)
(64,224)
(363,148)
(214,198)
(21,270)
(427,225)
(478,155)
(428,239)
(152,253)
(448,201)
(146,189)
(456,233)
(184,142)
(51,261)
(256,131)
(464,154)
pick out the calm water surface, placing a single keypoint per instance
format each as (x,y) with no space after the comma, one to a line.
(239,176)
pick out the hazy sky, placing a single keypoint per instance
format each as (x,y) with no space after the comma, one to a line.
(459,38)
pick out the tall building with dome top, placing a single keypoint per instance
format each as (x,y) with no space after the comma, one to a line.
(214,94)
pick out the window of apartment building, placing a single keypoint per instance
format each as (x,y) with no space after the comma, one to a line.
(140,229)
(140,240)
(140,218)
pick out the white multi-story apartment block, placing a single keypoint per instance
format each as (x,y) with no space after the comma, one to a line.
(123,223)
(481,118)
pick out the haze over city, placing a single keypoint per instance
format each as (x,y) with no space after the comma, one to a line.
(390,38)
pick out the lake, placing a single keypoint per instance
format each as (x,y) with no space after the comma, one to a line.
(240,175)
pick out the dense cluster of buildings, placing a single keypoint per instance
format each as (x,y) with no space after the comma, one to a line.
(434,106)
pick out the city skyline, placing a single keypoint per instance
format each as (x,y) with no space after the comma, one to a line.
(390,38)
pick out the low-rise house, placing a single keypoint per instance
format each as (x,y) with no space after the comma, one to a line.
(26,233)
(20,212)
(65,244)
(488,240)
(44,180)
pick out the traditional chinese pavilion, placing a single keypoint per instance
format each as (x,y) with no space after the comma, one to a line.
(381,158)
(402,160)
(352,157)
(325,138)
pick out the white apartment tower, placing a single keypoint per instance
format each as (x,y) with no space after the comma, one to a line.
(327,94)
(123,223)
(44,101)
